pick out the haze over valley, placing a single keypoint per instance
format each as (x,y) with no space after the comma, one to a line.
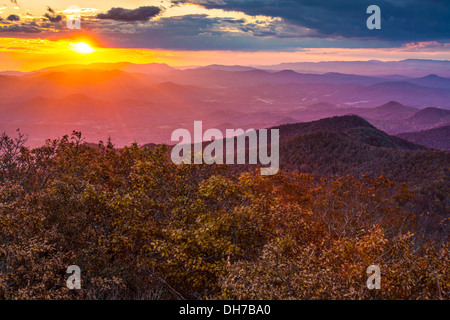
(145,103)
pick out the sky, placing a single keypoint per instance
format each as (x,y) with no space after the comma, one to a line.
(34,34)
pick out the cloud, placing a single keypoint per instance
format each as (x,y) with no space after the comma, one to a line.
(13,17)
(20,28)
(52,16)
(266,25)
(200,32)
(426,46)
(421,45)
(412,20)
(130,15)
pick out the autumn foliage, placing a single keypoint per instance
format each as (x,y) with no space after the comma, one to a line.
(141,227)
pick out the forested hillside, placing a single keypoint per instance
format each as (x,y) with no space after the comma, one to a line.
(349,145)
(141,227)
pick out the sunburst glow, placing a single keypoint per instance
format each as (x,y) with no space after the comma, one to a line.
(82,48)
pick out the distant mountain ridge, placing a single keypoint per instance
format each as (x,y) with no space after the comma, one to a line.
(350,145)
(432,81)
(436,138)
(387,111)
(303,88)
(421,120)
(354,127)
(135,102)
(408,67)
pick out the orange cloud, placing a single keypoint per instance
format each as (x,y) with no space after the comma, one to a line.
(421,45)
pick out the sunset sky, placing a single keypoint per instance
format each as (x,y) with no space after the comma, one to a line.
(34,34)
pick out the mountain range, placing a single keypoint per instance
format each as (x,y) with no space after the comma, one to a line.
(436,138)
(403,69)
(350,145)
(145,103)
(427,118)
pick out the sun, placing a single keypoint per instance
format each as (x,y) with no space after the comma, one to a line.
(82,48)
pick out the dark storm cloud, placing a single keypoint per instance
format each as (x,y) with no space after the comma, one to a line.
(199,32)
(130,15)
(402,20)
(13,17)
